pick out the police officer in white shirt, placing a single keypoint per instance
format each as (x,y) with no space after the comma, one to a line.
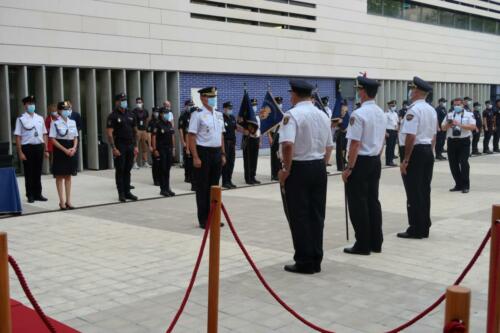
(31,143)
(419,130)
(366,134)
(459,125)
(391,134)
(206,144)
(306,146)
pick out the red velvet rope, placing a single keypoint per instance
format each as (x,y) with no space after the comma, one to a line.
(322,330)
(29,295)
(455,326)
(195,270)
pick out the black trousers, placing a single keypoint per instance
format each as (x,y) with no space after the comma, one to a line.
(496,138)
(205,177)
(123,165)
(458,158)
(364,205)
(227,169)
(275,161)
(166,159)
(476,135)
(411,220)
(440,140)
(250,156)
(304,202)
(340,147)
(390,145)
(418,181)
(187,161)
(486,141)
(155,169)
(33,169)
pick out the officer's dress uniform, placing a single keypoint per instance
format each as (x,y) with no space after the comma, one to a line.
(275,147)
(308,128)
(31,129)
(155,168)
(488,125)
(392,136)
(251,144)
(65,132)
(163,132)
(186,155)
(476,134)
(340,145)
(230,149)
(208,126)
(459,149)
(441,135)
(123,123)
(368,126)
(420,120)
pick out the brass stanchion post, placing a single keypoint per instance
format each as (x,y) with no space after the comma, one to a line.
(5,316)
(213,268)
(458,306)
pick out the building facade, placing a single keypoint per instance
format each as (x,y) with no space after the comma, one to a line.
(89,50)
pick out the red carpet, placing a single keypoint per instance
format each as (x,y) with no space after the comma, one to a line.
(26,320)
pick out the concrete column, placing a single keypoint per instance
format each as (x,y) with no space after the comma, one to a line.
(160,87)
(148,90)
(119,81)
(74,96)
(5,127)
(21,88)
(133,87)
(41,103)
(57,83)
(173,96)
(91,120)
(106,107)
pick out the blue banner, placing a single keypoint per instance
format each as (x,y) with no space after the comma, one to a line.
(270,114)
(247,117)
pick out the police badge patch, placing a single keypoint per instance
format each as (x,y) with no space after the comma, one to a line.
(285,120)
(409,117)
(352,121)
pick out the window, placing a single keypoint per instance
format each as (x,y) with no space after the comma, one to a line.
(375,7)
(430,15)
(447,18)
(392,8)
(490,26)
(462,21)
(476,23)
(412,12)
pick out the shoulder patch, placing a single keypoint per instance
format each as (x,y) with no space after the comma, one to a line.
(286,120)
(409,117)
(352,121)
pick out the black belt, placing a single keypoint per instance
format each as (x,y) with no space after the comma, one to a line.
(423,145)
(310,162)
(209,149)
(368,157)
(230,140)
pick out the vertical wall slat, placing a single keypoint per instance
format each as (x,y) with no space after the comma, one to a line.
(160,87)
(91,119)
(106,103)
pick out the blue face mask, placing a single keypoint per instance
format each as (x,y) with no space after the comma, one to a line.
(31,108)
(54,114)
(168,116)
(457,108)
(123,104)
(212,101)
(65,113)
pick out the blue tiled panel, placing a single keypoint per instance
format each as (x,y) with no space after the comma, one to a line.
(230,88)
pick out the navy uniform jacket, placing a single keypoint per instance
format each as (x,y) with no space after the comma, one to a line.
(479,119)
(77,117)
(184,122)
(230,125)
(163,131)
(123,124)
(441,113)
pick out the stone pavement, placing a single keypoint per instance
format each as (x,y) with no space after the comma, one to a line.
(124,267)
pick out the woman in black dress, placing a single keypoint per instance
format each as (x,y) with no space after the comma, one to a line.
(64,136)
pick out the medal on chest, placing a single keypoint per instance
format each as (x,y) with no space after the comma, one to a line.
(119,120)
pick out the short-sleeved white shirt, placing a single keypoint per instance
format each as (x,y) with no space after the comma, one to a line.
(30,128)
(464,118)
(63,130)
(208,127)
(329,112)
(421,121)
(367,125)
(392,120)
(308,128)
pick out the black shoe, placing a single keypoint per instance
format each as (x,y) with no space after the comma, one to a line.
(131,187)
(164,193)
(130,196)
(354,250)
(317,268)
(465,190)
(249,182)
(40,198)
(122,198)
(202,226)
(406,234)
(31,199)
(172,194)
(391,164)
(376,249)
(440,158)
(299,270)
(496,150)
(487,152)
(274,179)
(227,186)
(255,181)
(232,185)
(455,189)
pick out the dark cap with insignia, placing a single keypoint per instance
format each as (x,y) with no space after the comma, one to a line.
(253,101)
(393,102)
(188,102)
(406,103)
(301,86)
(325,99)
(442,100)
(164,110)
(63,105)
(364,82)
(467,99)
(279,99)
(29,99)
(476,104)
(420,84)
(121,97)
(155,108)
(227,105)
(208,92)
(487,102)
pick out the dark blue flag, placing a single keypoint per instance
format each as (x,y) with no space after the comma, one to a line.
(336,113)
(270,114)
(247,117)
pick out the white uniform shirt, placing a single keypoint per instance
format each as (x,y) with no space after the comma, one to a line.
(367,125)
(420,120)
(308,128)
(30,128)
(63,130)
(392,120)
(208,127)
(464,118)
(329,112)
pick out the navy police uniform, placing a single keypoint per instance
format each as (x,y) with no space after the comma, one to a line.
(304,189)
(250,145)
(420,121)
(123,124)
(229,145)
(367,126)
(183,127)
(274,135)
(488,126)
(155,168)
(163,147)
(441,135)
(476,134)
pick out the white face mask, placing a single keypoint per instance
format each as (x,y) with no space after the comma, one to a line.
(140,105)
(254,108)
(280,106)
